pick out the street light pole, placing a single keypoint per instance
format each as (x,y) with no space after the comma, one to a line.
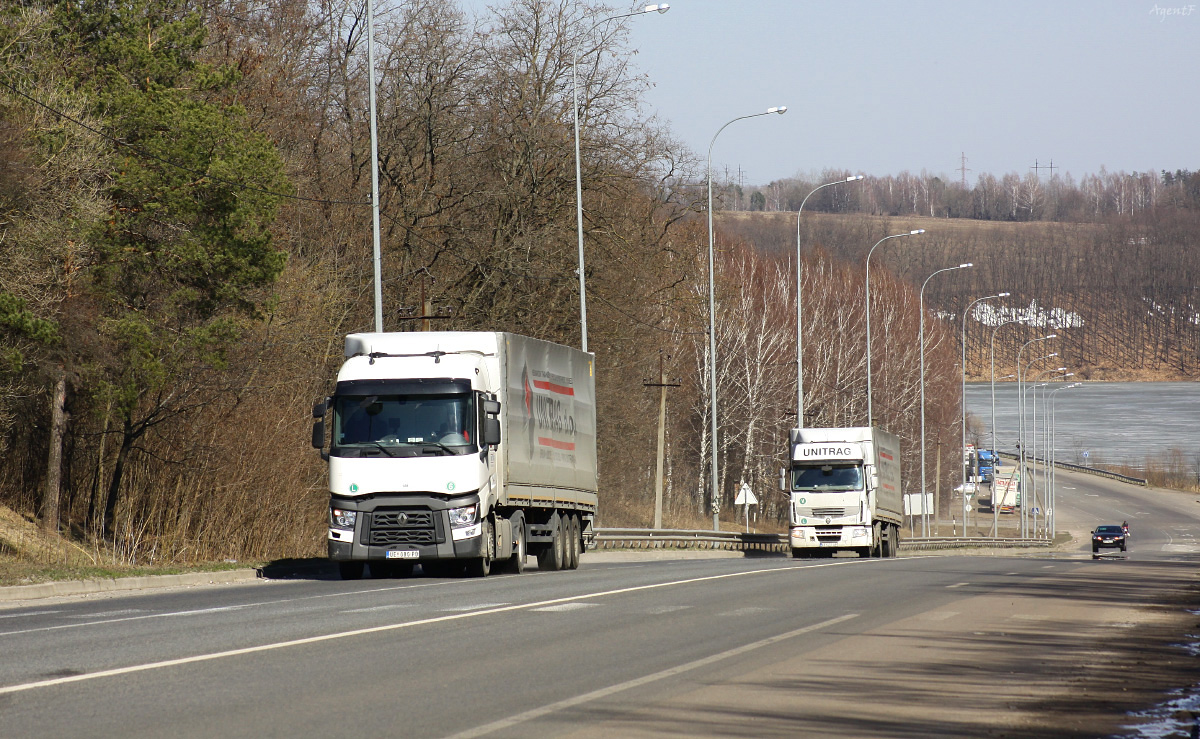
(963,400)
(712,313)
(924,513)
(1050,508)
(870,417)
(664,7)
(995,455)
(799,315)
(376,253)
(1021,424)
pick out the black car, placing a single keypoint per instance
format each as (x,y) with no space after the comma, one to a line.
(1108,537)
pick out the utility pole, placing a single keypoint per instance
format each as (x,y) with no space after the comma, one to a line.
(963,170)
(662,386)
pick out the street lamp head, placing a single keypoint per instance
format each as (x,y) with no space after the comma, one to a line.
(1003,295)
(918,231)
(1050,336)
(964,266)
(780,109)
(661,8)
(854,177)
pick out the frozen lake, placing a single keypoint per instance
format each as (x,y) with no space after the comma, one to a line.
(1099,422)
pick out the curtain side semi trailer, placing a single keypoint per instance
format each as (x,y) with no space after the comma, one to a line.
(459,450)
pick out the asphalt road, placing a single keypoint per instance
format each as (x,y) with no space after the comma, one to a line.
(1039,644)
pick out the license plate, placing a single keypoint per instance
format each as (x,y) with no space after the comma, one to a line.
(831,543)
(403,554)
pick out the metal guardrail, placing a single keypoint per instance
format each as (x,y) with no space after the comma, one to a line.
(734,541)
(688,539)
(970,542)
(1086,470)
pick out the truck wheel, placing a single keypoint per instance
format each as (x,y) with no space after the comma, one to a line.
(350,570)
(551,558)
(482,566)
(572,542)
(516,563)
(799,554)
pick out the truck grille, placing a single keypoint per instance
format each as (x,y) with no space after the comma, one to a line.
(828,512)
(829,534)
(388,526)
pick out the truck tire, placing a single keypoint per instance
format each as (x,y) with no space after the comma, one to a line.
(350,570)
(482,566)
(516,563)
(573,543)
(551,557)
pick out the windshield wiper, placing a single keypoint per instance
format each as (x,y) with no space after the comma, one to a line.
(439,445)
(381,448)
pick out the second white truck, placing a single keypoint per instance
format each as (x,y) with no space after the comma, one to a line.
(844,488)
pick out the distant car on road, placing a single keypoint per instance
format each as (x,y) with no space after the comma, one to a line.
(1108,537)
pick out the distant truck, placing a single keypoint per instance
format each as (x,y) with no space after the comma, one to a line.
(989,461)
(459,450)
(1006,491)
(844,489)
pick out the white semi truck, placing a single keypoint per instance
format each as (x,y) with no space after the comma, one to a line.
(844,488)
(459,450)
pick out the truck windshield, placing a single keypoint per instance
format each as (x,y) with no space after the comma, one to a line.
(405,425)
(827,478)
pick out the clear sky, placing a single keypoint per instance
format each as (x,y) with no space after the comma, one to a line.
(881,87)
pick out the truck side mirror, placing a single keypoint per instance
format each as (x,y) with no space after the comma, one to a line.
(783,482)
(320,408)
(318,434)
(491,421)
(491,431)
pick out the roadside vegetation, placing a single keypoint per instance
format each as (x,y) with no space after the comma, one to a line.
(185,229)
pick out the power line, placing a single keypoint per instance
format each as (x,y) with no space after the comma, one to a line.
(147,155)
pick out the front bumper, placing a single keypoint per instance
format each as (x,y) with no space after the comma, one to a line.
(403,525)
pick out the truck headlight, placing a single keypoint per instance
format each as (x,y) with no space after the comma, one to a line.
(859,532)
(342,519)
(463,517)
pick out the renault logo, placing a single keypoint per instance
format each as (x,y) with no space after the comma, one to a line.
(828,519)
(401,518)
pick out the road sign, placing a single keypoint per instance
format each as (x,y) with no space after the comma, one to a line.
(745,496)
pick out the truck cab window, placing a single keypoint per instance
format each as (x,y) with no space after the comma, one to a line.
(827,478)
(403,424)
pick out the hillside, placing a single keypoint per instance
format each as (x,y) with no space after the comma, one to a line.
(1121,295)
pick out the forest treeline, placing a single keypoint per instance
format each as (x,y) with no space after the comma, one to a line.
(1011,197)
(185,235)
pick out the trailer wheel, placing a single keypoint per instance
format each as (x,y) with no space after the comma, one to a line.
(482,566)
(350,570)
(572,543)
(551,557)
(516,564)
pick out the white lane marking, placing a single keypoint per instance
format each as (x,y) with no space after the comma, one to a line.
(957,585)
(170,614)
(660,610)
(472,607)
(27,613)
(372,609)
(563,607)
(535,713)
(20,687)
(110,614)
(746,611)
